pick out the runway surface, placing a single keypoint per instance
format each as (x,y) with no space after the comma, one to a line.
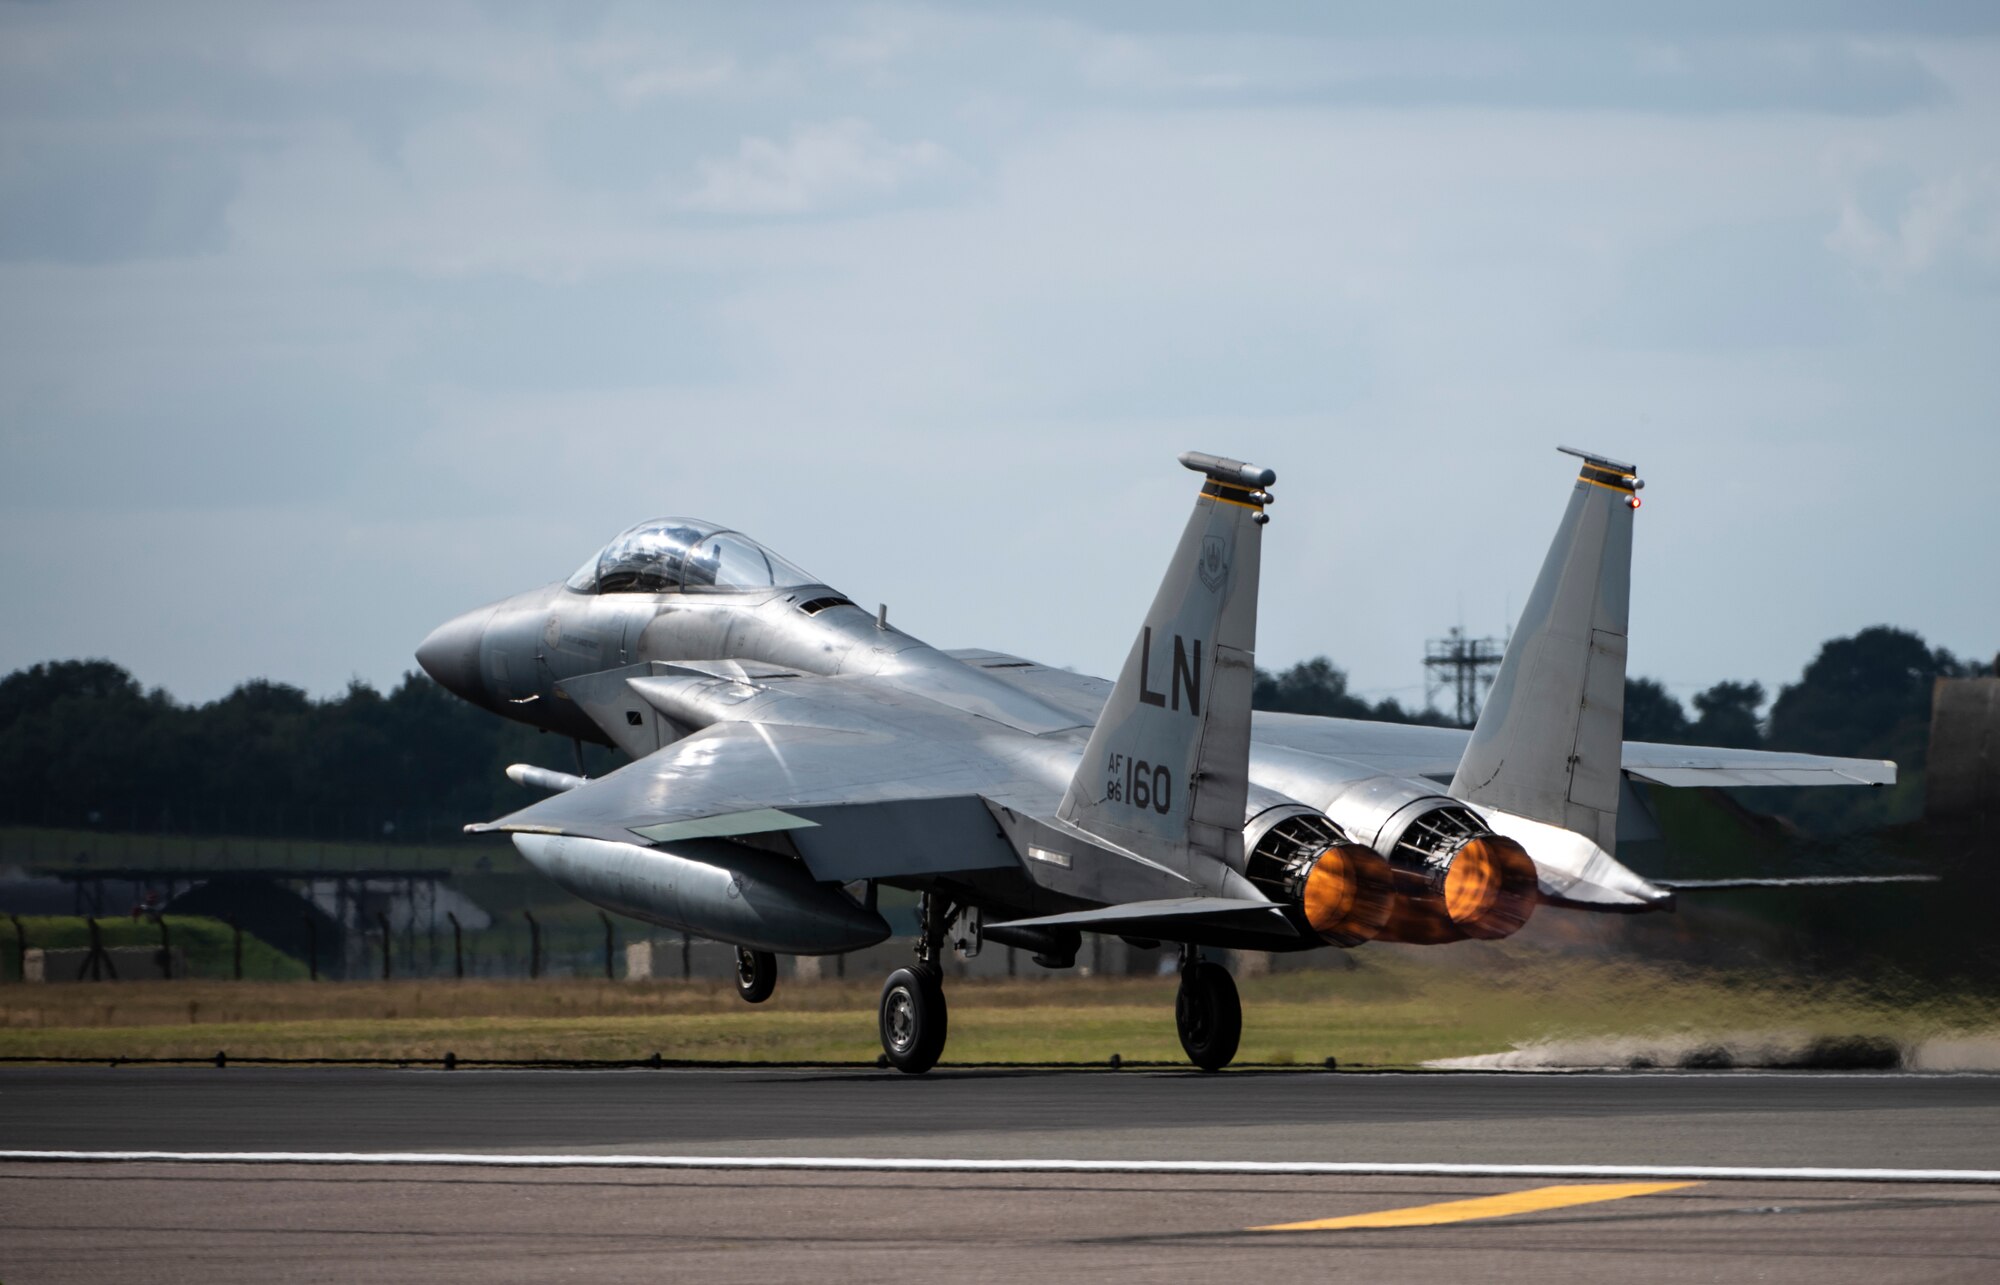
(184,1222)
(1905,1121)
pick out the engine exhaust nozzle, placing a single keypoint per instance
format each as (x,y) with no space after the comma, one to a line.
(1490,887)
(1349,894)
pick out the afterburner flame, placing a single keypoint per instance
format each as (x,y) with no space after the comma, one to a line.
(1349,894)
(1471,886)
(1489,892)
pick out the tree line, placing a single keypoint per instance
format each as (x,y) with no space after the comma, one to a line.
(83,744)
(1865,696)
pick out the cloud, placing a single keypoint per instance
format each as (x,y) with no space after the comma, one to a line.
(1699,76)
(679,79)
(873,45)
(821,166)
(456,293)
(1948,223)
(635,68)
(1732,288)
(105,200)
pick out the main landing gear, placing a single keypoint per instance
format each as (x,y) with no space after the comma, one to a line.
(756,974)
(912,1014)
(1207,1012)
(914,1017)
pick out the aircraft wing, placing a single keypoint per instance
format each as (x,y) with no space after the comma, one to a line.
(1412,750)
(857,778)
(854,803)
(1399,749)
(1408,749)
(1694,765)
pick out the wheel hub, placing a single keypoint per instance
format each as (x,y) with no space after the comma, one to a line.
(1193,1015)
(902,1020)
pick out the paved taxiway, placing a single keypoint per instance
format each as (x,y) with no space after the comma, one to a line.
(171,1222)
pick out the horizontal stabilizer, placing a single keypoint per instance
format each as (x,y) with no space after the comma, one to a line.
(1697,766)
(1175,919)
(1805,881)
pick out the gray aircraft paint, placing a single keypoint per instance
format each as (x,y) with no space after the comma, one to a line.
(709,886)
(1167,766)
(794,727)
(1547,745)
(1204,921)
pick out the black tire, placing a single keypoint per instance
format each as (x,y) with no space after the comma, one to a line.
(756,974)
(1208,1015)
(913,1020)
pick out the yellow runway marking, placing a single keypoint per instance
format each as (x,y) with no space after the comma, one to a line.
(1459,1211)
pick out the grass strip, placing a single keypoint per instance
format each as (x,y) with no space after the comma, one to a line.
(1397,1010)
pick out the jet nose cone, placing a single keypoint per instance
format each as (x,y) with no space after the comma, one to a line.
(451,655)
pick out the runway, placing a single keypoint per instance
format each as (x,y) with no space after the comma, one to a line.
(228,1222)
(1700,1118)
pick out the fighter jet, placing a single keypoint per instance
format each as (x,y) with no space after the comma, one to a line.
(794,753)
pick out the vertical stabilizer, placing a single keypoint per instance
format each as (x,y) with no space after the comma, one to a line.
(1548,743)
(1167,769)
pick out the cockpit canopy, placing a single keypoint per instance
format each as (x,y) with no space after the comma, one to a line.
(667,555)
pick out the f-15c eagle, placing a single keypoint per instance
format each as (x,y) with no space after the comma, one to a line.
(792,753)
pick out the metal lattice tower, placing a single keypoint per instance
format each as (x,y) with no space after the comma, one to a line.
(1463,666)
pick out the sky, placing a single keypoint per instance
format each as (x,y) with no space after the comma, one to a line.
(319,324)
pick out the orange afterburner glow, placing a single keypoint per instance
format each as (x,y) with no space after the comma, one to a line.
(1349,894)
(1489,891)
(1471,886)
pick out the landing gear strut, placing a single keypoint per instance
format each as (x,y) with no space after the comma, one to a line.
(1207,1012)
(756,974)
(913,1014)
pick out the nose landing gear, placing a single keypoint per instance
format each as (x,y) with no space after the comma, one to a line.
(1207,1012)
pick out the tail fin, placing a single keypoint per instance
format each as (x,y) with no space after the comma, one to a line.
(1548,743)
(1167,769)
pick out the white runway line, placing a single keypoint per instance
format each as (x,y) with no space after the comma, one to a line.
(869,1164)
